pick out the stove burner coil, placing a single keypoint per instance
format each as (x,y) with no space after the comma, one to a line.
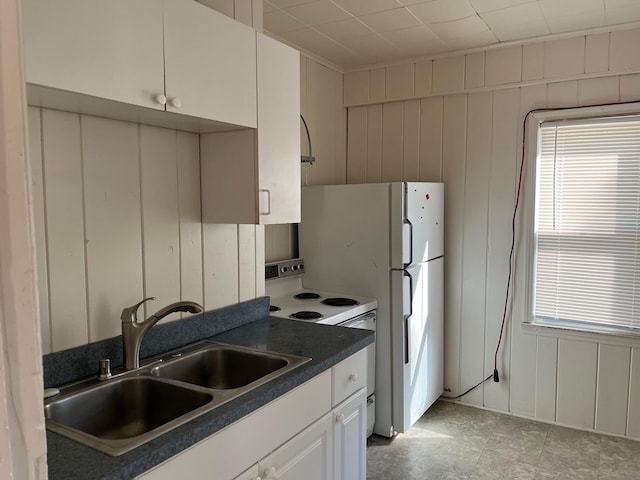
(306,315)
(273,308)
(340,302)
(306,296)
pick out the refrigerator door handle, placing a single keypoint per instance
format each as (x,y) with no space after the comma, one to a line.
(407,317)
(407,222)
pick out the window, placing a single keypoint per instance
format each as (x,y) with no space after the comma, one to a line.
(586,258)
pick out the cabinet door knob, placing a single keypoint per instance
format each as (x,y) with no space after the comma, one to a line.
(175,102)
(340,418)
(160,99)
(270,474)
(353,378)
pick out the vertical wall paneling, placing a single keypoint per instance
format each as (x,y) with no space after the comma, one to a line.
(596,57)
(220,264)
(260,260)
(374,144)
(423,76)
(431,110)
(357,145)
(532,61)
(113,221)
(160,217)
(506,105)
(392,141)
(37,207)
(453,173)
(188,173)
(411,141)
(629,88)
(546,362)
(623,55)
(503,65)
(633,416)
(614,364)
(523,369)
(399,81)
(577,364)
(377,87)
(62,162)
(246,262)
(474,70)
(564,57)
(356,87)
(596,91)
(562,94)
(474,268)
(448,74)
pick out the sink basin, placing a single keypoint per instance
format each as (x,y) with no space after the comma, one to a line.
(124,412)
(125,409)
(222,367)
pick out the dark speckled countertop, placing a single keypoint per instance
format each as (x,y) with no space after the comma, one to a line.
(326,345)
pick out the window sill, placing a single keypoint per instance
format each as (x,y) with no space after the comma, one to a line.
(592,334)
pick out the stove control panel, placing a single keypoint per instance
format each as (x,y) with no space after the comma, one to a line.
(285,268)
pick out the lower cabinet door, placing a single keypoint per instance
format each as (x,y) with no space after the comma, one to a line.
(308,455)
(350,438)
(250,474)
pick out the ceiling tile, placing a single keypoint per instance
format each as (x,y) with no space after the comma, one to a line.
(414,2)
(268,7)
(337,54)
(621,11)
(279,21)
(482,6)
(578,21)
(442,10)
(306,38)
(519,22)
(390,20)
(555,8)
(370,44)
(416,41)
(364,7)
(318,12)
(290,3)
(465,33)
(351,27)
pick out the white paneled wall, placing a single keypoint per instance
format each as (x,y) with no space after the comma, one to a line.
(117,218)
(321,105)
(467,132)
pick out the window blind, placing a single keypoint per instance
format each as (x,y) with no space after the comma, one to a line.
(587,260)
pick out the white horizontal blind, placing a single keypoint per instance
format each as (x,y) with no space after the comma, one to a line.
(587,222)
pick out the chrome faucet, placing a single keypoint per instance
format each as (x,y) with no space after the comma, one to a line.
(133,331)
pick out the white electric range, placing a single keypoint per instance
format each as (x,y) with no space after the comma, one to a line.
(290,299)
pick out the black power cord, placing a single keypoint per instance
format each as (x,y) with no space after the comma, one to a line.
(472,388)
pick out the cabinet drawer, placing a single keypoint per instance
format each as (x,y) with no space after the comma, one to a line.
(349,376)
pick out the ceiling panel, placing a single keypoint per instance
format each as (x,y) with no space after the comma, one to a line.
(353,33)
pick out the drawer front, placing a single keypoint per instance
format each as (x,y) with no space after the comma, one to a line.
(349,376)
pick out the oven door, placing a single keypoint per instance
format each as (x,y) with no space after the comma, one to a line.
(366,321)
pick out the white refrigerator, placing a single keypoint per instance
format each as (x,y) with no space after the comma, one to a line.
(386,241)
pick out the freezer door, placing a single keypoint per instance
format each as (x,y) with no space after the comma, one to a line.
(417,210)
(417,341)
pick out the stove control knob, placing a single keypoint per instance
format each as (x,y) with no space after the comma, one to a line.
(284,269)
(294,267)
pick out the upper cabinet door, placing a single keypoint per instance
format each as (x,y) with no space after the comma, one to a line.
(278,131)
(210,69)
(110,49)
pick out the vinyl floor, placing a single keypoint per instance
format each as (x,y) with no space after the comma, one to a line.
(452,442)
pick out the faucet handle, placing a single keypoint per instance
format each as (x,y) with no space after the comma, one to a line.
(129,314)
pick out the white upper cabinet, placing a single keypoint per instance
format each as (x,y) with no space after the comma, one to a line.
(108,49)
(278,131)
(176,56)
(210,69)
(262,183)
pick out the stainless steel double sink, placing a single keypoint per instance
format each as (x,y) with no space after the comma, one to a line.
(122,413)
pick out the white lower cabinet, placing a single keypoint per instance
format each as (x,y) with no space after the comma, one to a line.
(349,428)
(301,435)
